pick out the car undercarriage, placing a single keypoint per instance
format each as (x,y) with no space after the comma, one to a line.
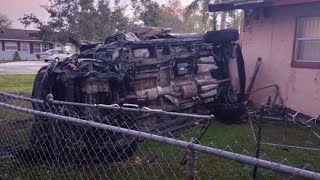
(149,67)
(163,71)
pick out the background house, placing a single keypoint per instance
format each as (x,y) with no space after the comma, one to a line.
(286,35)
(22,41)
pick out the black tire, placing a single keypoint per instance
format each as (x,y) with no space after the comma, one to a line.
(56,60)
(36,90)
(46,60)
(221,36)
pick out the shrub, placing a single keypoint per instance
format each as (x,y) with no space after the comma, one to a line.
(16,56)
(38,56)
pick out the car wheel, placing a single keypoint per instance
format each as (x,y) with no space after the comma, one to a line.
(56,60)
(46,60)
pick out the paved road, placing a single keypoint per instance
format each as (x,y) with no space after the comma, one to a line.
(21,67)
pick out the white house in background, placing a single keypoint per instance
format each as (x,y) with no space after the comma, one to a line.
(22,41)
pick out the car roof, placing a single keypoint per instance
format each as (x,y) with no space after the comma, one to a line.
(54,50)
(49,50)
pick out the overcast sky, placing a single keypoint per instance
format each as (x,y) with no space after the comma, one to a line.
(15,9)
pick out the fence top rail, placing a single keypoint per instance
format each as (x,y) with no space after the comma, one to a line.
(30,99)
(125,107)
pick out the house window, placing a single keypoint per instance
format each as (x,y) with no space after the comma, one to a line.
(307,47)
(37,47)
(45,47)
(11,46)
(25,46)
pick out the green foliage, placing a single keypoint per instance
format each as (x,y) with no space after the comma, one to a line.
(232,19)
(16,56)
(83,19)
(38,56)
(169,15)
(94,20)
(152,14)
(200,7)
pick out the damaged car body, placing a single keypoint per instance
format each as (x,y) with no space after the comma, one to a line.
(153,68)
(163,71)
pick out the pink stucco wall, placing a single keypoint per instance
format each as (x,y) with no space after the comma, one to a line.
(272,39)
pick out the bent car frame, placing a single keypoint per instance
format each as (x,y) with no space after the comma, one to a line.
(153,68)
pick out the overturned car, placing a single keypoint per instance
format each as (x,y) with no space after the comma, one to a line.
(154,68)
(151,67)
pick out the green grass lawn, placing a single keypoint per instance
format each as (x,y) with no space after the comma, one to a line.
(236,138)
(21,83)
(5,61)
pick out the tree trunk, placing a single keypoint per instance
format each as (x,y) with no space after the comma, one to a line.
(223,20)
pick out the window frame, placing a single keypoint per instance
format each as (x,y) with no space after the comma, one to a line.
(45,47)
(27,44)
(13,42)
(35,48)
(302,63)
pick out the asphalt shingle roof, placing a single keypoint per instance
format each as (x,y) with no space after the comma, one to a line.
(18,34)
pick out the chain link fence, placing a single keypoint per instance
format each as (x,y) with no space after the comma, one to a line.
(282,126)
(287,133)
(64,140)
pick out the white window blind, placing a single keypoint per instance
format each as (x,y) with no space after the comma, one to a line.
(25,46)
(11,46)
(37,48)
(308,39)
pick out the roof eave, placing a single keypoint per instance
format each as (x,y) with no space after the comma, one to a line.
(254,4)
(233,6)
(25,40)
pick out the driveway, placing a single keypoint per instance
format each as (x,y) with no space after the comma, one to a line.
(21,67)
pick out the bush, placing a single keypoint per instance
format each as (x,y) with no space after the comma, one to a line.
(38,56)
(16,56)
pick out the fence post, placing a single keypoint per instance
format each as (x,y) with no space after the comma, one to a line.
(255,169)
(285,123)
(191,164)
